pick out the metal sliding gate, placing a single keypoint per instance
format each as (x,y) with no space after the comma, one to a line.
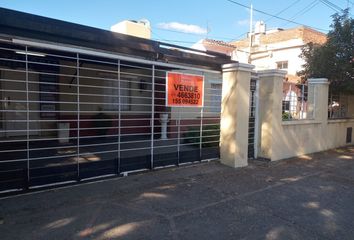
(69,116)
(252,118)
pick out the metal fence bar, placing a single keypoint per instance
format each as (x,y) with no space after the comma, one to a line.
(119,117)
(27,124)
(302,101)
(152,117)
(78,114)
(201,133)
(178,137)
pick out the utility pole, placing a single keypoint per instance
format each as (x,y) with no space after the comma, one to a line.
(250,34)
(208,29)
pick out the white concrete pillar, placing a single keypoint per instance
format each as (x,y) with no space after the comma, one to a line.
(318,99)
(235,114)
(270,112)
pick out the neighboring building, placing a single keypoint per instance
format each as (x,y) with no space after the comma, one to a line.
(277,49)
(215,46)
(134,28)
(281,49)
(273,49)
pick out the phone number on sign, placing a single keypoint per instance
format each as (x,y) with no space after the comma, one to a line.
(185,101)
(188,95)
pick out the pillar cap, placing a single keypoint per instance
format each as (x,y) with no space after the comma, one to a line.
(237,67)
(272,73)
(317,81)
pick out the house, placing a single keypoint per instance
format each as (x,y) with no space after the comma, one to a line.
(215,46)
(274,49)
(77,102)
(281,49)
(277,49)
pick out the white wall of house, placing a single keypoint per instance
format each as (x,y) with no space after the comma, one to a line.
(267,57)
(291,55)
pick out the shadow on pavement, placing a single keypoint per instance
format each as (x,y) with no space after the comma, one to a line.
(309,197)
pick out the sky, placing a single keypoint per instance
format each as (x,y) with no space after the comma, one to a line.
(184,22)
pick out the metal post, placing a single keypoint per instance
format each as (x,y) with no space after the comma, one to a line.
(27,124)
(201,133)
(302,100)
(256,121)
(152,117)
(119,116)
(290,103)
(178,135)
(78,114)
(250,34)
(330,103)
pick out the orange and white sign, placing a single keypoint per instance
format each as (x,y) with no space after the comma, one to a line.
(184,90)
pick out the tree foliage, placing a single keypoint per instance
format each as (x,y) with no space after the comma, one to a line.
(335,59)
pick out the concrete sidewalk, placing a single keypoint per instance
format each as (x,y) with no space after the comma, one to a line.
(311,197)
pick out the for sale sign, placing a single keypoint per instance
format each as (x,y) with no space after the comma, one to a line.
(184,90)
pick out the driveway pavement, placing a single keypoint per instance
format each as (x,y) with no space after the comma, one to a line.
(311,197)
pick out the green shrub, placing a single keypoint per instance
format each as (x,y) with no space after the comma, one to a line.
(286,116)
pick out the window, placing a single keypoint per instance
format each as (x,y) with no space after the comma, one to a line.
(286,106)
(282,65)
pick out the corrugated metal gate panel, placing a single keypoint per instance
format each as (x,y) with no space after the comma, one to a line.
(67,116)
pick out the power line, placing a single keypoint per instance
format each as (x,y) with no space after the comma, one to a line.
(349,1)
(162,39)
(238,37)
(304,10)
(218,37)
(334,7)
(173,41)
(281,18)
(280,12)
(331,5)
(301,12)
(195,34)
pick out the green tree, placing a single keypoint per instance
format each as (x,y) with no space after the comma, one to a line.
(334,59)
